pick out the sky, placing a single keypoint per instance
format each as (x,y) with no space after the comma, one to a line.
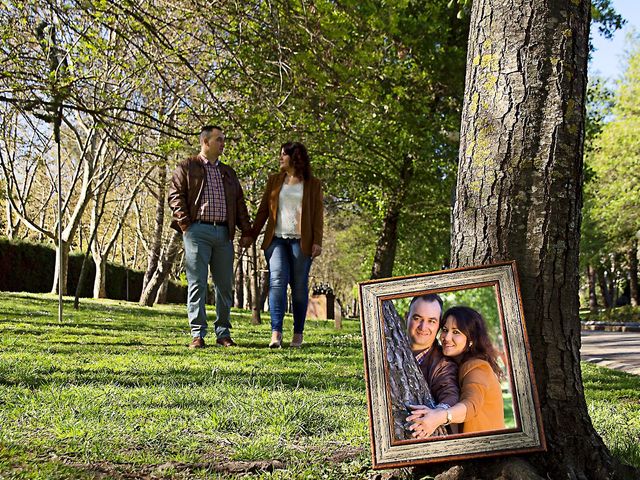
(608,59)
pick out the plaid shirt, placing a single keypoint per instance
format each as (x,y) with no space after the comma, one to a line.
(213,207)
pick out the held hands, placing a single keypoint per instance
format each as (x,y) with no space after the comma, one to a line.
(245,242)
(425,420)
(315,250)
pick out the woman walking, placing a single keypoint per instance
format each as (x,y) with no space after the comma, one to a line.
(292,208)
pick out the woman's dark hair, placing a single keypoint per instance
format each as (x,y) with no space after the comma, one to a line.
(471,323)
(299,159)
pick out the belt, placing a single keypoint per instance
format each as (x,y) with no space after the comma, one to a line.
(218,224)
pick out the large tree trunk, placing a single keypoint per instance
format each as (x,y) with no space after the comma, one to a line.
(633,274)
(519,195)
(388,241)
(591,281)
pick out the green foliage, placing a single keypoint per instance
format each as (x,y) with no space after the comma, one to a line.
(613,401)
(615,162)
(623,314)
(605,17)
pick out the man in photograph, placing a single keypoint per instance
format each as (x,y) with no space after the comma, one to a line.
(208,203)
(440,372)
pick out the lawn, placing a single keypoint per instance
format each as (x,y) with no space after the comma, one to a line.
(113,392)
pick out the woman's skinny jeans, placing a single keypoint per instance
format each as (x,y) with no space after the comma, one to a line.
(288,265)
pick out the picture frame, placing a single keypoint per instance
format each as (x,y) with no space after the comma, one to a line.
(523,430)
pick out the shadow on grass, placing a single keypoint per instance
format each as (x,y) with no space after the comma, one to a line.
(181,377)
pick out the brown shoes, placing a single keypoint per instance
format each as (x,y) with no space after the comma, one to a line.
(276,339)
(296,341)
(197,342)
(226,342)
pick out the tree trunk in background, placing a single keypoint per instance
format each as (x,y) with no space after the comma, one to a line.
(633,274)
(100,280)
(156,243)
(255,293)
(602,284)
(161,296)
(164,269)
(264,289)
(61,269)
(593,297)
(388,241)
(612,281)
(406,382)
(238,290)
(519,195)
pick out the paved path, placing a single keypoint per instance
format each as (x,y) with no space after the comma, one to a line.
(617,350)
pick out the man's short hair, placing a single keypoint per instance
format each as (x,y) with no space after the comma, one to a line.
(206,131)
(429,297)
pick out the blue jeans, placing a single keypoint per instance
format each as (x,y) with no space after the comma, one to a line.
(288,265)
(208,246)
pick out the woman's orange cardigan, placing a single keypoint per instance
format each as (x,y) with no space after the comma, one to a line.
(481,393)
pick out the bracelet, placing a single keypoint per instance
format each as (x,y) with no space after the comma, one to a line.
(449,417)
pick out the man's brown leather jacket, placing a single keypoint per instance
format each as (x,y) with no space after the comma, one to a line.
(441,374)
(185,194)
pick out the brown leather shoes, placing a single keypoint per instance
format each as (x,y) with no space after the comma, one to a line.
(226,342)
(197,342)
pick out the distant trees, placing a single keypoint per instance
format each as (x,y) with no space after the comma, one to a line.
(612,193)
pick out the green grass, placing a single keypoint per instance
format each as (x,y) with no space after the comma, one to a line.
(625,314)
(113,392)
(613,399)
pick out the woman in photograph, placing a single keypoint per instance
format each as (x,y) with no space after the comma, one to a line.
(292,208)
(464,338)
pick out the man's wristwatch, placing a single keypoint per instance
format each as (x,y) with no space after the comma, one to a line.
(449,417)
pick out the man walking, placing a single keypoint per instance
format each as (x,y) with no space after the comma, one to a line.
(208,203)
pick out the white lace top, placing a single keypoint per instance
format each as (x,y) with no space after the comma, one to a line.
(289,211)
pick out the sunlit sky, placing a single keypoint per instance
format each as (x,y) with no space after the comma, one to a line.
(608,59)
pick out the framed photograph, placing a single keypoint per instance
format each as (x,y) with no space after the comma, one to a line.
(438,339)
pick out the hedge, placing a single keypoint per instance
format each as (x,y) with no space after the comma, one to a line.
(29,267)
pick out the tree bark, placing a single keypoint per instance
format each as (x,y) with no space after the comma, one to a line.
(602,284)
(156,244)
(519,195)
(100,280)
(633,274)
(255,293)
(264,289)
(591,280)
(162,272)
(61,269)
(238,291)
(407,385)
(161,296)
